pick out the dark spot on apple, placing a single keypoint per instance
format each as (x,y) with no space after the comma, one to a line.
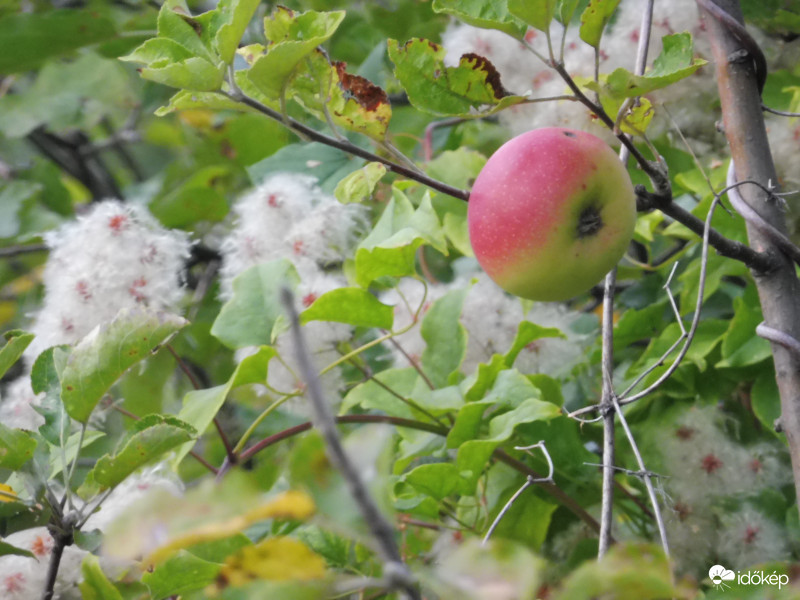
(569,134)
(589,222)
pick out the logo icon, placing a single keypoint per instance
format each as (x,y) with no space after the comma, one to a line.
(719,575)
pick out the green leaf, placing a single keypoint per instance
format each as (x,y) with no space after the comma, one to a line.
(65,96)
(95,584)
(502,426)
(176,24)
(445,337)
(328,165)
(483,379)
(152,437)
(488,14)
(675,62)
(635,325)
(16,342)
(536,13)
(448,91)
(474,570)
(437,480)
(528,519)
(565,9)
(46,379)
(354,306)
(16,448)
(628,572)
(594,20)
(190,100)
(766,399)
(741,346)
(467,424)
(391,246)
(228,23)
(31,38)
(376,393)
(195,199)
(458,168)
(471,460)
(254,315)
(13,196)
(180,573)
(294,37)
(169,63)
(528,332)
(7,549)
(101,357)
(201,406)
(359,185)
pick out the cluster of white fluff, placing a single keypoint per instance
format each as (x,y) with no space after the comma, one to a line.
(289,216)
(17,406)
(113,257)
(23,578)
(705,466)
(522,73)
(491,319)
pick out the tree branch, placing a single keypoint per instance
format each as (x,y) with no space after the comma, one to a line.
(740,83)
(349,147)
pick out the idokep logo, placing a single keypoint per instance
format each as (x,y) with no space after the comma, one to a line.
(719,576)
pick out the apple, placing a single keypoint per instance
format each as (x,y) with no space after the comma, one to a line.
(551,212)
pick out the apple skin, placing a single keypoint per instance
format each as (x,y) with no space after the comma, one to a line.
(551,212)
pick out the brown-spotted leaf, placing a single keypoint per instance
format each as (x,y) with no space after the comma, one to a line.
(471,89)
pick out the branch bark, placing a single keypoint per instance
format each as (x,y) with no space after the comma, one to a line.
(739,83)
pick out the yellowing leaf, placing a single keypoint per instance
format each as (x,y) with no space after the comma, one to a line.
(289,505)
(7,494)
(275,559)
(197,118)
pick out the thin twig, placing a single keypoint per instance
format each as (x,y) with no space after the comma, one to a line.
(646,477)
(782,113)
(750,215)
(229,453)
(62,534)
(528,481)
(695,319)
(349,147)
(607,412)
(408,401)
(394,569)
(16,250)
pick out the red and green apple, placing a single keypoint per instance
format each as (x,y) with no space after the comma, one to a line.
(551,212)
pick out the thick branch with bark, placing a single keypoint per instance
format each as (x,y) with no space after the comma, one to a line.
(739,82)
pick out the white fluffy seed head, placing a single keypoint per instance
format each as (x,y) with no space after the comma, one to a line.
(113,257)
(289,216)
